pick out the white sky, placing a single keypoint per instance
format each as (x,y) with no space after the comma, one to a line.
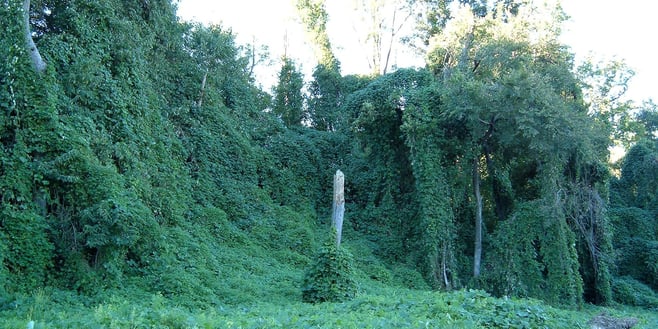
(622,29)
(608,28)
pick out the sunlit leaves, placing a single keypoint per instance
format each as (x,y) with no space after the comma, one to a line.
(605,85)
(313,14)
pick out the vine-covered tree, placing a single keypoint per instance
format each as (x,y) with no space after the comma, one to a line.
(634,213)
(326,93)
(288,99)
(509,101)
(314,16)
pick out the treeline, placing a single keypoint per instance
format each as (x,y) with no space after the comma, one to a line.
(144,151)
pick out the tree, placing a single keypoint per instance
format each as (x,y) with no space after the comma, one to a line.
(638,184)
(633,213)
(431,18)
(433,15)
(221,63)
(648,120)
(605,85)
(438,232)
(288,98)
(325,93)
(507,81)
(314,16)
(325,98)
(399,188)
(29,126)
(382,21)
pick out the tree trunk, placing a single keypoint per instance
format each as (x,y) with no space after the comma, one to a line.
(203,89)
(37,62)
(338,208)
(444,265)
(477,256)
(499,198)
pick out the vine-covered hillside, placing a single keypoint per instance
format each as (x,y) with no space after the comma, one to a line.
(140,159)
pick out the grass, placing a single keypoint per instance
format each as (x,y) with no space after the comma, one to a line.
(382,307)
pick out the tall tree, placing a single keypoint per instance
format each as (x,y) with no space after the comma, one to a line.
(30,131)
(431,144)
(325,92)
(430,19)
(382,21)
(326,96)
(288,98)
(431,16)
(314,16)
(633,212)
(378,113)
(508,82)
(648,120)
(605,85)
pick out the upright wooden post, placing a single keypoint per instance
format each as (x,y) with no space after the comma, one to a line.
(338,208)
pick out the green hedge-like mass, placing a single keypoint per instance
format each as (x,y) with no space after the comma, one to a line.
(331,277)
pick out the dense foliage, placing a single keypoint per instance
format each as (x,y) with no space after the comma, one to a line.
(381,308)
(144,159)
(330,277)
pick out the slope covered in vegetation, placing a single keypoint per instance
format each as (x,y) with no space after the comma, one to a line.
(145,178)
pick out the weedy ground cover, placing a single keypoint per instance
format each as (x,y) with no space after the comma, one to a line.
(374,307)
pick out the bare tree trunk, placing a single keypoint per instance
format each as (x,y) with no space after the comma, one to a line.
(394,32)
(338,205)
(37,62)
(203,89)
(477,256)
(444,265)
(390,44)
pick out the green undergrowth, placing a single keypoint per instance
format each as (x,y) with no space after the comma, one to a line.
(383,308)
(259,284)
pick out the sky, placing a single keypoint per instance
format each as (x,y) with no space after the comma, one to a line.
(617,29)
(607,29)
